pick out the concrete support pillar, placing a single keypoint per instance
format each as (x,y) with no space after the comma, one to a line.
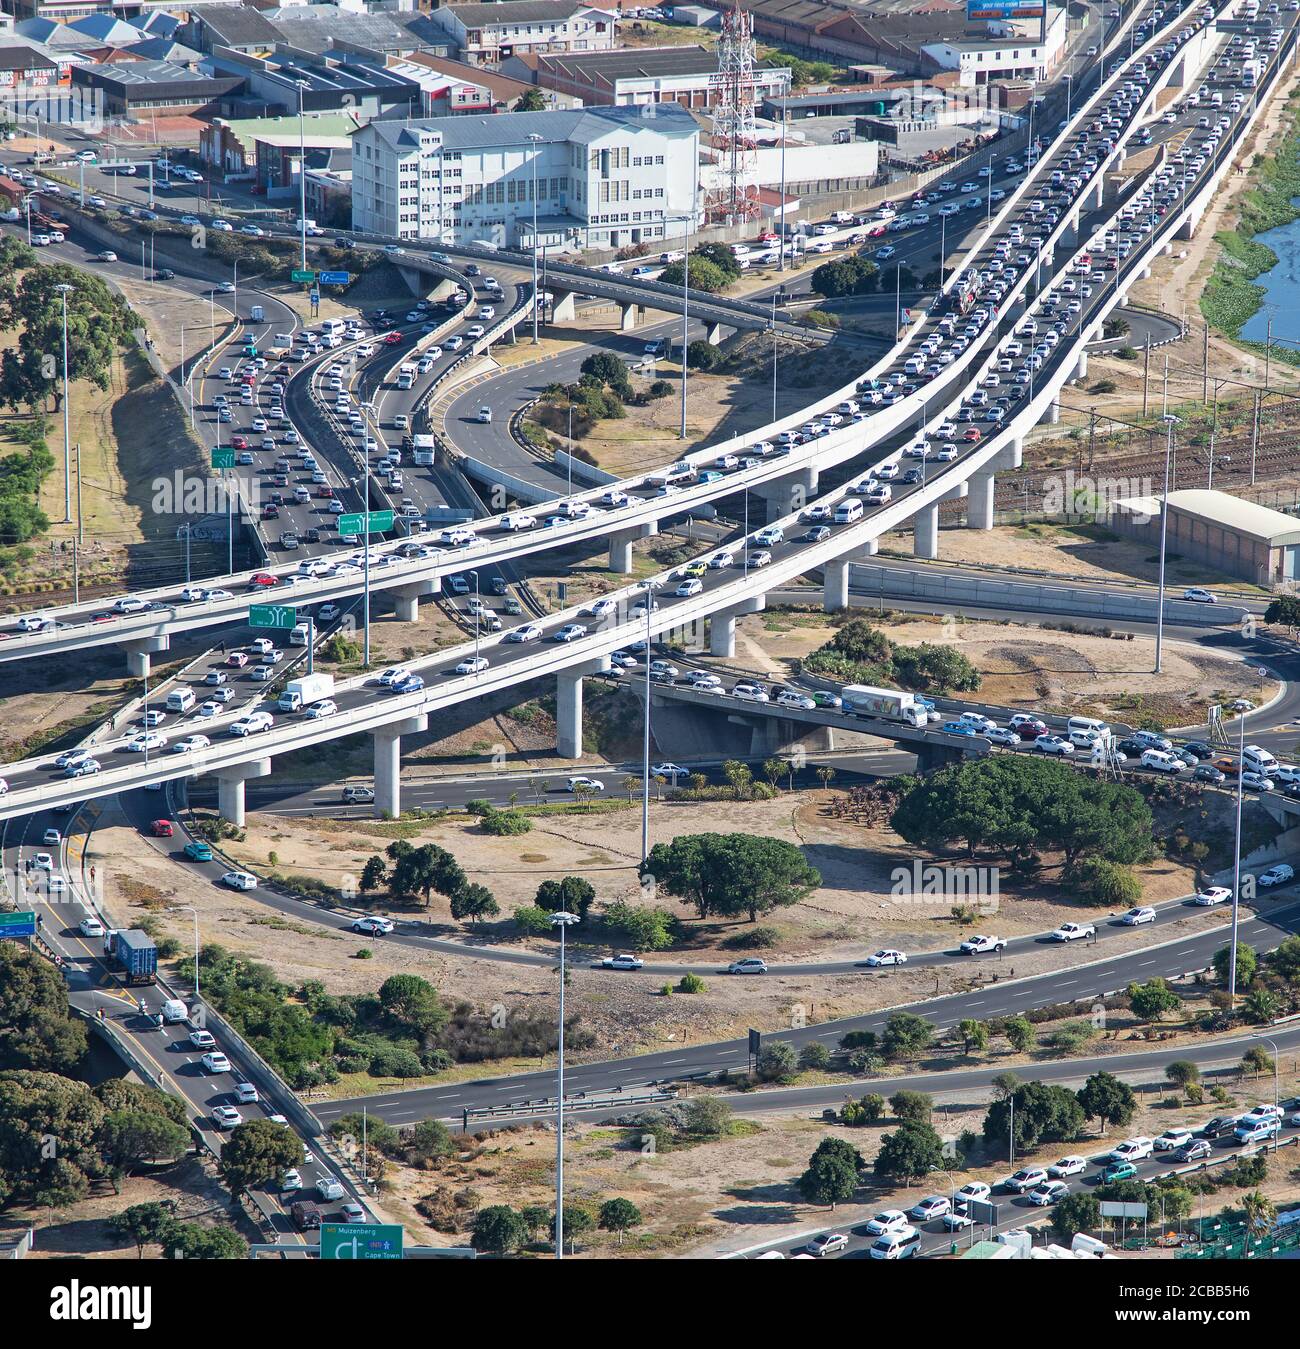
(139,650)
(1099,192)
(871,547)
(835,585)
(563,310)
(713,333)
(1051,414)
(1188,228)
(722,626)
(789,494)
(979,504)
(568,715)
(925,532)
(1081,369)
(230,788)
(388,763)
(568,706)
(620,551)
(406,599)
(629,316)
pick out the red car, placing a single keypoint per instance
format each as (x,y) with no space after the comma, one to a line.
(270,511)
(264,578)
(973,435)
(392,339)
(239,442)
(162,828)
(769,237)
(324,490)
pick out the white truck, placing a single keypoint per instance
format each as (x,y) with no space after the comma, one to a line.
(1250,73)
(305,690)
(406,373)
(422,449)
(861,700)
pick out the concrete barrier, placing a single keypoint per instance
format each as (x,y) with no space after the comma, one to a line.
(1078,602)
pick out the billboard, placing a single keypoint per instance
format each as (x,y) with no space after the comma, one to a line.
(1005,9)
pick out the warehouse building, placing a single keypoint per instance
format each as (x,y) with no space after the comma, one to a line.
(1232,536)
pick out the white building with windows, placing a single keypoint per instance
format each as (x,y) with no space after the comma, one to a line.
(604,177)
(488,34)
(1012,52)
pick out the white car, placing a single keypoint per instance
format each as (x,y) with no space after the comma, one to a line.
(1199,595)
(226,1116)
(585,785)
(1216,894)
(1053,744)
(246,1093)
(1279,874)
(621,961)
(526,632)
(980,945)
(472,665)
(1074,932)
(90,926)
(887,957)
(750,965)
(668,770)
(934,1206)
(327,707)
(328,1188)
(1049,1192)
(292,1180)
(240,880)
(1132,1150)
(215,1062)
(891,1220)
(570,632)
(373,926)
(1026,1179)
(1172,1138)
(1137,916)
(828,1243)
(1073,1165)
(975,1190)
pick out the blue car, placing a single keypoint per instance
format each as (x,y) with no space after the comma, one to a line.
(958,728)
(411,684)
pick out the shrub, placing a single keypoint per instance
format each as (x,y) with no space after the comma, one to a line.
(506,822)
(756,939)
(690,983)
(532,921)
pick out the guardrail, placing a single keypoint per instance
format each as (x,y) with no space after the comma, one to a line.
(579,1101)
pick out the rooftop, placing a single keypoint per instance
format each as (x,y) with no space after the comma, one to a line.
(516,11)
(318,27)
(514,128)
(238,25)
(631,64)
(1219,508)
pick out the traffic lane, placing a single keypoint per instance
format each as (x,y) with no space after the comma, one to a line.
(996,998)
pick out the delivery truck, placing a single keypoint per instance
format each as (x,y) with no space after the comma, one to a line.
(422,449)
(406,373)
(305,690)
(257,314)
(861,700)
(133,954)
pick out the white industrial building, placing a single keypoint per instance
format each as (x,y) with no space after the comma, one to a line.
(605,177)
(1014,53)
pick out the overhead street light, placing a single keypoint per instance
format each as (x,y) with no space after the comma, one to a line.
(563,921)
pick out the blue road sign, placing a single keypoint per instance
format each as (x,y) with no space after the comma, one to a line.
(335,278)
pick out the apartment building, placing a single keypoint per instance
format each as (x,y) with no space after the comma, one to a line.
(591,177)
(489,34)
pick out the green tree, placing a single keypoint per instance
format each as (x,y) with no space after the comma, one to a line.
(1247,964)
(906,1035)
(256,1152)
(572,894)
(1261,1005)
(974,1035)
(1183,1073)
(374,873)
(1076,1213)
(1284,610)
(1285,960)
(412,1004)
(1105,1098)
(722,256)
(1152,1000)
(1257,1059)
(639,928)
(424,870)
(704,275)
(427,1143)
(144,1224)
(36,1030)
(814,1056)
(199,1241)
(912,1107)
(531,100)
(909,1153)
(1043,1114)
(474,902)
(777,1062)
(619,1215)
(535,1218)
(729,874)
(831,1177)
(1020,1034)
(134,1136)
(577,1222)
(706,1117)
(1103,882)
(702,355)
(498,1230)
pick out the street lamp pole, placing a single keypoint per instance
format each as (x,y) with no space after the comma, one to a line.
(67,441)
(686,294)
(645,740)
(534,138)
(1170,422)
(302,176)
(1236,868)
(561,920)
(785,94)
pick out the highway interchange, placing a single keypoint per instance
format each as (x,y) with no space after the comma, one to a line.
(791,555)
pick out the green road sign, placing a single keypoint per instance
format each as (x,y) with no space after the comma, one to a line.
(378,521)
(223,457)
(278,616)
(302,276)
(23,924)
(360,1241)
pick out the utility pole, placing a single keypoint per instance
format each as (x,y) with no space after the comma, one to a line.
(1092,436)
(1205,366)
(1214,428)
(1254,438)
(1268,346)
(1146,371)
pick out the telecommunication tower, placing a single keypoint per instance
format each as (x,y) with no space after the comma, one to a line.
(734,196)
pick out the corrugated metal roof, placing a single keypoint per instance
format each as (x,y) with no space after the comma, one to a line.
(1229,512)
(516,11)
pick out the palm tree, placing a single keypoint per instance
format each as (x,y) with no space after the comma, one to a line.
(825,774)
(1260,1210)
(773,769)
(631,785)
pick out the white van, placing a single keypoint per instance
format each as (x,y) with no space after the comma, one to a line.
(174,1011)
(1086,730)
(180,700)
(284,339)
(298,636)
(849,510)
(900,1245)
(1162,761)
(401,422)
(1256,759)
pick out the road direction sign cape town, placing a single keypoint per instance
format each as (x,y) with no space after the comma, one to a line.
(19,924)
(279,616)
(360,1241)
(379,522)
